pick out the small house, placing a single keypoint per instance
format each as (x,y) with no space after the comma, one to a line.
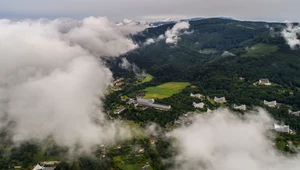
(241,107)
(199,105)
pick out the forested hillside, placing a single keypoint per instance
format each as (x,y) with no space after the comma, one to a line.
(252,50)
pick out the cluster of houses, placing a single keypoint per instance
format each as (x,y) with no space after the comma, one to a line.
(220,100)
(143,102)
(118,82)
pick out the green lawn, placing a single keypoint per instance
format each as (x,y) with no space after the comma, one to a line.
(165,90)
(260,50)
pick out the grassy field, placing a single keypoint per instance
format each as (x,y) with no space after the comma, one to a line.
(260,50)
(147,78)
(165,90)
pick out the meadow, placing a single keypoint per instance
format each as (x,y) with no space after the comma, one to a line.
(165,90)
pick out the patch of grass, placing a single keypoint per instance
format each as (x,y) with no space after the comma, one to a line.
(132,167)
(147,78)
(260,50)
(165,90)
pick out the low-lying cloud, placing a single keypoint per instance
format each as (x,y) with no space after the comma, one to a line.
(51,79)
(172,35)
(224,141)
(126,65)
(291,34)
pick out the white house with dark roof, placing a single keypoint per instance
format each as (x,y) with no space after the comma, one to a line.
(270,104)
(220,100)
(199,105)
(241,107)
(265,82)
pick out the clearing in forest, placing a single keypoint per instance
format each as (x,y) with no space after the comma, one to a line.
(165,90)
(260,50)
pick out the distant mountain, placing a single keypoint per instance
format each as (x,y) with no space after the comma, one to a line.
(219,47)
(172,21)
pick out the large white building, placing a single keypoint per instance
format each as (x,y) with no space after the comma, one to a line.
(150,103)
(282,128)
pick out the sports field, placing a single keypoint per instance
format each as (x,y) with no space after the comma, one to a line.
(165,90)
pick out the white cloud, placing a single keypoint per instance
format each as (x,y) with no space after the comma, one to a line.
(100,37)
(291,35)
(149,41)
(125,64)
(172,35)
(51,81)
(130,27)
(224,141)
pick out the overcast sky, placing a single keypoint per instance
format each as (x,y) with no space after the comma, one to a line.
(270,10)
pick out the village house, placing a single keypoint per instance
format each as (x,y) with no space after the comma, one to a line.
(241,107)
(282,128)
(199,96)
(148,103)
(220,100)
(199,105)
(270,104)
(265,82)
(294,113)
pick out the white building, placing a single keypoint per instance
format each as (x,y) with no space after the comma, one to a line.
(150,103)
(282,128)
(38,167)
(220,100)
(199,96)
(270,104)
(241,107)
(199,105)
(265,82)
(294,113)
